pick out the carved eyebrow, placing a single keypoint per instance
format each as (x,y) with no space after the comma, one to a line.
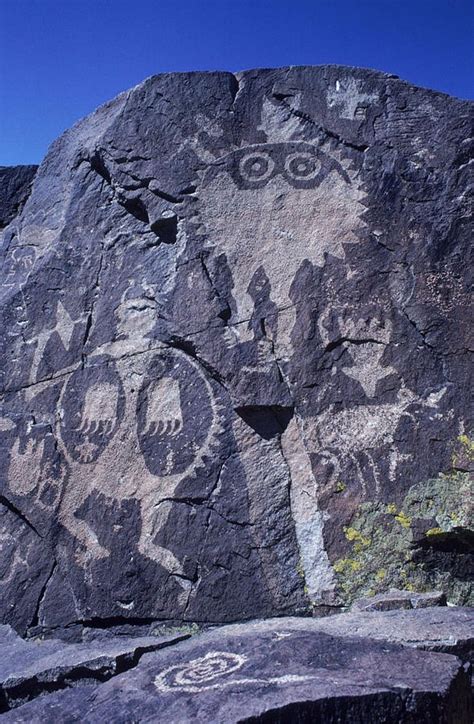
(328,162)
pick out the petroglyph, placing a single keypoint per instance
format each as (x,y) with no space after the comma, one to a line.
(271,201)
(163,415)
(354,433)
(215,670)
(351,102)
(152,445)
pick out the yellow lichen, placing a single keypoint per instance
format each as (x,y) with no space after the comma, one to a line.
(434,531)
(355,536)
(403,519)
(344,564)
(392,509)
(340,486)
(468,444)
(300,569)
(380,575)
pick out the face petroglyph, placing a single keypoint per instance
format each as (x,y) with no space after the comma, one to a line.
(274,201)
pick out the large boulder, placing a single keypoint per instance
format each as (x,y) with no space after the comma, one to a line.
(234,359)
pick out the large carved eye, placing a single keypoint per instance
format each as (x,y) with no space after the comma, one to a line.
(256,166)
(302,166)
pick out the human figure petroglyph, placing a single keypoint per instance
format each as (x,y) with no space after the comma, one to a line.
(112,424)
(123,453)
(125,438)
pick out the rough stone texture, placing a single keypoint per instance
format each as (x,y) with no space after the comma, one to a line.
(400,599)
(446,629)
(32,668)
(234,353)
(15,187)
(280,670)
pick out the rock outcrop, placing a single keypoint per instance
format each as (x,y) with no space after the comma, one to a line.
(234,360)
(282,670)
(15,187)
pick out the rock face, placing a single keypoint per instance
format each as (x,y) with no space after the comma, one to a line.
(234,353)
(15,187)
(277,670)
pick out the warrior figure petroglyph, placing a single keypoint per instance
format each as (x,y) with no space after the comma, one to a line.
(104,449)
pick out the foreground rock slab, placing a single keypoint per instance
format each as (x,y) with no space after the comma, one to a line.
(31,668)
(277,670)
(446,629)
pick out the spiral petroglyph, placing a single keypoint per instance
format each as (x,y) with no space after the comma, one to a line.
(207,672)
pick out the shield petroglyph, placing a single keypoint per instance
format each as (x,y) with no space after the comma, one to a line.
(149,439)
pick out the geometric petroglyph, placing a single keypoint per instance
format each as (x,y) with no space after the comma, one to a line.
(64,328)
(200,674)
(215,671)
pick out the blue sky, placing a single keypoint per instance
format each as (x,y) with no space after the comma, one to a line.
(60,59)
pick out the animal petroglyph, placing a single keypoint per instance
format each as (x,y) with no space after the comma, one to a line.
(360,431)
(365,345)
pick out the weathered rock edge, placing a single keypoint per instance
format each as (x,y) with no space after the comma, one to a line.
(31,669)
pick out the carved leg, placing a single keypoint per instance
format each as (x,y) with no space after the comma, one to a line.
(73,498)
(154,518)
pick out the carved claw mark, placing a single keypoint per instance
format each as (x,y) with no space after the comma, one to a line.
(170,428)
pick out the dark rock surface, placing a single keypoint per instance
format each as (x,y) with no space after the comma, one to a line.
(270,671)
(15,187)
(29,669)
(234,353)
(445,629)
